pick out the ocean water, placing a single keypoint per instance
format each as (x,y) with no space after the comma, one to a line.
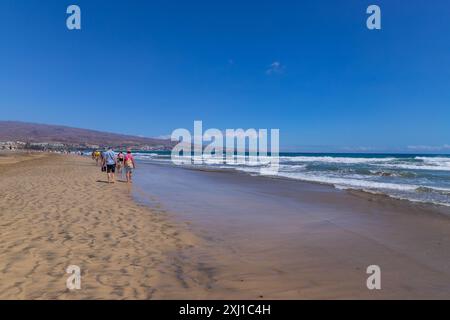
(414,177)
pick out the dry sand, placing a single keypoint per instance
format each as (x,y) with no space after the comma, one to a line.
(57,211)
(9,158)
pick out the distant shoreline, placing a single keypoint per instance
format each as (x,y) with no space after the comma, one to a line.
(36,136)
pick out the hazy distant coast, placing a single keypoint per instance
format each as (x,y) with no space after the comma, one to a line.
(22,135)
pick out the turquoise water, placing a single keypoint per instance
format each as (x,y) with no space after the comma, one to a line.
(414,177)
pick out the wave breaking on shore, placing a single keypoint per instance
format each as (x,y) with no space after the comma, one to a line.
(418,178)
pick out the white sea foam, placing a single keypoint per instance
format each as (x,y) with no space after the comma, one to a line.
(329,159)
(434,159)
(442,163)
(418,167)
(349,182)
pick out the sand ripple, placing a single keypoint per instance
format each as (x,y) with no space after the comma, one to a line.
(58,211)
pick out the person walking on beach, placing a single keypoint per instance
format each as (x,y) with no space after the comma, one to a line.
(98,157)
(110,161)
(102,161)
(120,160)
(129,165)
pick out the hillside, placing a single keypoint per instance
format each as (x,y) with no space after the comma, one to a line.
(32,133)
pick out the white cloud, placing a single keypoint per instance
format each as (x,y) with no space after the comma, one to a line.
(163,137)
(429,148)
(275,68)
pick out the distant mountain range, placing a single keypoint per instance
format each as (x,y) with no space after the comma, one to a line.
(41,134)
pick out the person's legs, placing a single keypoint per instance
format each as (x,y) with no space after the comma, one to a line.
(128,174)
(112,172)
(110,169)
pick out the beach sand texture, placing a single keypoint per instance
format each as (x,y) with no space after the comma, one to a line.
(57,211)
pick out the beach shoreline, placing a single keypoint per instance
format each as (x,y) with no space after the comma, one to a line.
(287,239)
(436,208)
(199,234)
(420,178)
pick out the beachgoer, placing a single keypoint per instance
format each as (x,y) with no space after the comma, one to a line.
(129,165)
(120,160)
(110,160)
(97,156)
(102,160)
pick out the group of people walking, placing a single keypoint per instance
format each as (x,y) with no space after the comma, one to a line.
(110,162)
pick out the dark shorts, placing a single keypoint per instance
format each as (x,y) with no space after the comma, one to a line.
(111,168)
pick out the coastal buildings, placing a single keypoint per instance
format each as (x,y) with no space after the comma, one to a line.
(11,145)
(57,146)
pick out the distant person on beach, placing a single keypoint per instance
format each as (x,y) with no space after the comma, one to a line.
(102,160)
(110,161)
(129,165)
(97,156)
(120,162)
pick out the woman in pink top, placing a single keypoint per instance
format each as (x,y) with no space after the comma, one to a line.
(129,165)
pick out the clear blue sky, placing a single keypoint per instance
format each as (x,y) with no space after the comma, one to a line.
(148,67)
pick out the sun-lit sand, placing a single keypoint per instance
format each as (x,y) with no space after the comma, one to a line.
(56,211)
(9,158)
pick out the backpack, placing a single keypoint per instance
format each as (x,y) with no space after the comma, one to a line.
(129,162)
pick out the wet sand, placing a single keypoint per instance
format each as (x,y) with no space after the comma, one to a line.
(283,239)
(57,211)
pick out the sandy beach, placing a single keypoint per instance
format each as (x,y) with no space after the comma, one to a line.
(189,234)
(58,211)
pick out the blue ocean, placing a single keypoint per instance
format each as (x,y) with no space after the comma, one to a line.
(413,177)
